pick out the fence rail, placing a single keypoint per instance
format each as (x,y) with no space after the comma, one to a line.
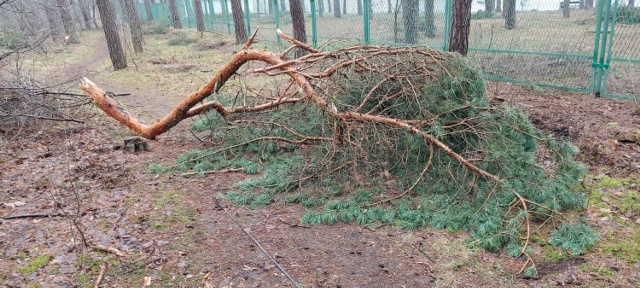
(591,47)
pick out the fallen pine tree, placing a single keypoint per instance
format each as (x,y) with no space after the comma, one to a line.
(401,135)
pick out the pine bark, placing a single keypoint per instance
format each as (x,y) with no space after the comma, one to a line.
(175,16)
(108,19)
(409,20)
(52,19)
(429,18)
(238,21)
(86,15)
(461,21)
(199,17)
(297,17)
(509,14)
(336,11)
(137,36)
(67,22)
(147,8)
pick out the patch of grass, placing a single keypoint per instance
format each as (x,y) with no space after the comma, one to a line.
(554,255)
(35,264)
(181,39)
(625,249)
(165,198)
(602,271)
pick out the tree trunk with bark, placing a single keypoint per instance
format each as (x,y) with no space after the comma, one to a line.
(86,15)
(488,6)
(175,15)
(389,7)
(336,11)
(329,6)
(461,21)
(359,7)
(429,18)
(410,20)
(238,21)
(565,8)
(498,5)
(64,8)
(283,6)
(108,19)
(137,36)
(297,17)
(321,8)
(509,14)
(344,7)
(199,17)
(52,18)
(147,8)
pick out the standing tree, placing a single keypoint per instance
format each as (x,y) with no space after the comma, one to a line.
(565,8)
(238,21)
(134,25)
(270,4)
(86,15)
(175,16)
(199,18)
(67,22)
(429,18)
(461,21)
(336,10)
(329,6)
(297,17)
(52,18)
(108,19)
(409,20)
(321,8)
(488,6)
(344,7)
(283,5)
(630,4)
(509,14)
(359,7)
(498,5)
(147,8)
(389,7)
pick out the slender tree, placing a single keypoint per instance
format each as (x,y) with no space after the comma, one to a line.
(344,7)
(429,18)
(565,8)
(509,14)
(336,11)
(137,36)
(297,17)
(108,19)
(67,22)
(329,6)
(270,4)
(86,15)
(410,20)
(461,21)
(389,7)
(175,16)
(283,5)
(52,18)
(498,5)
(359,7)
(488,6)
(321,8)
(238,21)
(199,17)
(147,8)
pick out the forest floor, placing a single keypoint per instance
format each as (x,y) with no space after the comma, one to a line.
(175,233)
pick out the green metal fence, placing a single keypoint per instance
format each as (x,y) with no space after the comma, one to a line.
(592,47)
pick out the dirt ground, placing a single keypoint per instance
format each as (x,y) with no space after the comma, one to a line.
(176,234)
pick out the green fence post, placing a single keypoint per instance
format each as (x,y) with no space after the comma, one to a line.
(247,17)
(596,44)
(367,31)
(226,15)
(211,14)
(276,12)
(314,28)
(607,61)
(447,24)
(603,46)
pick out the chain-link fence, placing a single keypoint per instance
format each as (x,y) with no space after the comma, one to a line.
(580,45)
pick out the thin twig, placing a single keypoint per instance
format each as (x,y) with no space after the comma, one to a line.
(103,270)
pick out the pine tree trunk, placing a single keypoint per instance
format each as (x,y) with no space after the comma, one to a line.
(108,19)
(488,6)
(461,21)
(52,19)
(509,14)
(389,7)
(270,4)
(429,18)
(95,13)
(409,20)
(321,8)
(336,11)
(565,8)
(175,16)
(147,8)
(359,7)
(134,25)
(329,6)
(86,15)
(238,21)
(344,7)
(199,17)
(297,17)
(498,5)
(67,21)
